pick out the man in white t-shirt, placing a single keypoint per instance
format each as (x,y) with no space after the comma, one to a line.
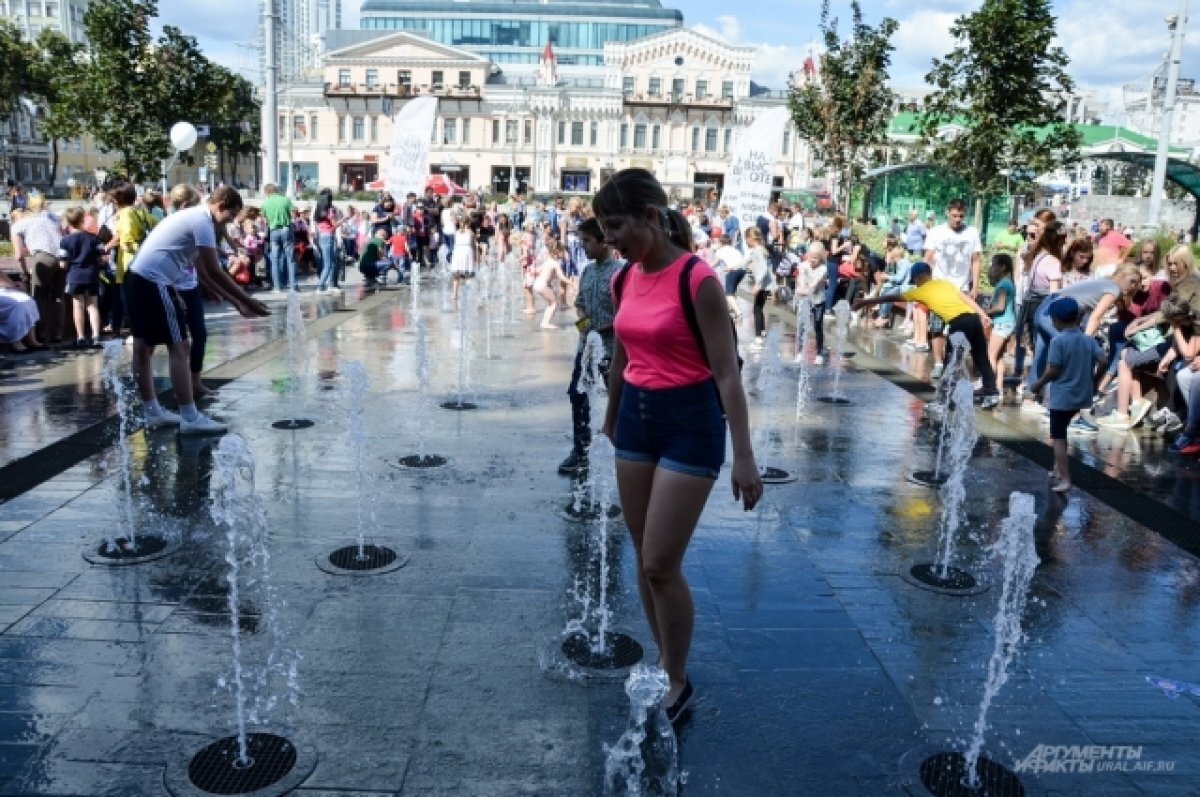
(183,246)
(955,253)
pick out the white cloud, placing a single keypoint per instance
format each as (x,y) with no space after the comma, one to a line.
(919,39)
(772,62)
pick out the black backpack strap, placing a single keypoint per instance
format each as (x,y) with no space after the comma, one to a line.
(689,304)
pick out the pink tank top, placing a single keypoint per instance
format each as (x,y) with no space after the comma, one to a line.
(661,350)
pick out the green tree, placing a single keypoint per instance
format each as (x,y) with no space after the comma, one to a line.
(844,112)
(57,84)
(1006,84)
(14,75)
(236,123)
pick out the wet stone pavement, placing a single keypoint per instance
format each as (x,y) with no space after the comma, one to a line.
(819,669)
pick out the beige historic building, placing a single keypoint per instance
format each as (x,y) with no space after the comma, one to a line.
(673,102)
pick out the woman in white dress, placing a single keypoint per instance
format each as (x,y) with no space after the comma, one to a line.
(550,277)
(462,262)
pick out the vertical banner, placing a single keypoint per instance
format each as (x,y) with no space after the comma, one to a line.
(408,158)
(748,184)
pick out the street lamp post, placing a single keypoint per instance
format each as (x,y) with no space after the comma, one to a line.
(1177,24)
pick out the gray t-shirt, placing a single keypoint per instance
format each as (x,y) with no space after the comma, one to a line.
(1088,294)
(1075,355)
(167,255)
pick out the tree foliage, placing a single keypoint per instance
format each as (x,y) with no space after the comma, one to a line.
(56,85)
(844,113)
(1006,85)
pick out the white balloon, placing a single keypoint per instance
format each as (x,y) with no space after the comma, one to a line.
(183,136)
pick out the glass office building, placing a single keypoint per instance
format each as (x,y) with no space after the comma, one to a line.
(517,32)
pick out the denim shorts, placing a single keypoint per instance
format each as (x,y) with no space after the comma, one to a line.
(680,429)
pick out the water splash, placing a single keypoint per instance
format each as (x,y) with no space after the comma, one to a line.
(297,355)
(956,371)
(602,474)
(804,334)
(466,344)
(1017,553)
(112,373)
(962,439)
(644,761)
(237,509)
(360,447)
(841,332)
(443,279)
(423,367)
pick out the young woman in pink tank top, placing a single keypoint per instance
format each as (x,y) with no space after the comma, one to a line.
(665,417)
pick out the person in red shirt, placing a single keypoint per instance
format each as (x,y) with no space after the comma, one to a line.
(398,255)
(1111,244)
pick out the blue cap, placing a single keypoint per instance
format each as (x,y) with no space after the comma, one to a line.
(919,268)
(1064,309)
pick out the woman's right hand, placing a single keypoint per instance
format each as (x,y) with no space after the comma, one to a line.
(607,430)
(746,482)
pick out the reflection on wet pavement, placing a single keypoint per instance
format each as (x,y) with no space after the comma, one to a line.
(818,668)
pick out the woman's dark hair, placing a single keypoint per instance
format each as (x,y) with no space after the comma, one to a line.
(1004,262)
(1050,241)
(591,227)
(324,203)
(630,192)
(1077,246)
(1178,312)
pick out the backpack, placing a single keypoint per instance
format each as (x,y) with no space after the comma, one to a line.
(689,306)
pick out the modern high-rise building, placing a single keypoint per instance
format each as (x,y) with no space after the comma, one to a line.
(34,16)
(517,32)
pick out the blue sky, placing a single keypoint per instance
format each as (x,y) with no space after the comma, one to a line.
(1110,43)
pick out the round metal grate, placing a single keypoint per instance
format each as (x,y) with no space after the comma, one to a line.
(834,400)
(620,651)
(928,478)
(121,548)
(954,580)
(292,424)
(459,405)
(776,476)
(586,511)
(944,774)
(217,770)
(372,557)
(418,461)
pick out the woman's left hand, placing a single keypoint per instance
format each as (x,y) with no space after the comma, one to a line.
(746,482)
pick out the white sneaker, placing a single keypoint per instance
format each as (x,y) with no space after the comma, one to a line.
(202,425)
(1115,421)
(1138,410)
(819,359)
(936,373)
(157,420)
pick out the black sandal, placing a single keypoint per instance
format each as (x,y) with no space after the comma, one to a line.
(676,709)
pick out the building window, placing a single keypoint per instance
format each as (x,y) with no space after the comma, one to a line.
(52,10)
(510,131)
(528,139)
(595,133)
(450,131)
(341,129)
(466,136)
(344,78)
(464,80)
(359,129)
(438,79)
(283,128)
(433,132)
(677,89)
(312,127)
(728,139)
(787,139)
(655,86)
(372,78)
(710,139)
(576,134)
(298,130)
(656,137)
(38,171)
(374,128)
(695,139)
(624,135)
(639,136)
(727,90)
(25,171)
(562,132)
(404,80)
(627,86)
(495,131)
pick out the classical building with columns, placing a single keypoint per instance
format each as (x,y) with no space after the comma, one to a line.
(672,102)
